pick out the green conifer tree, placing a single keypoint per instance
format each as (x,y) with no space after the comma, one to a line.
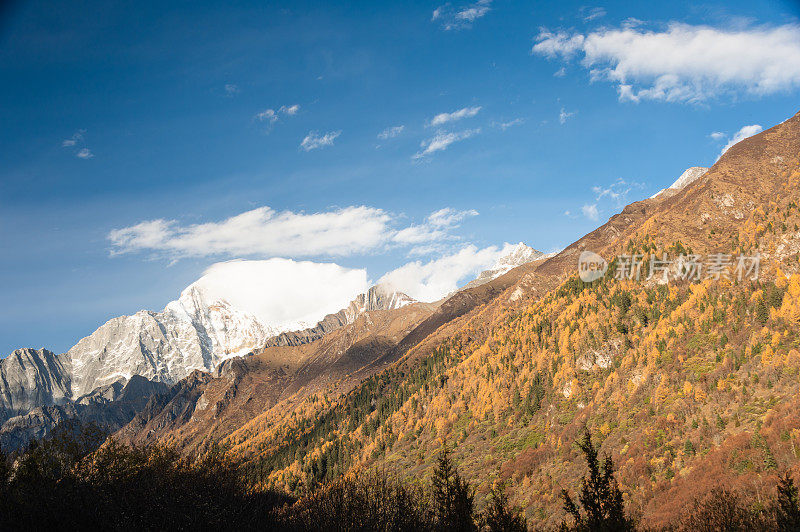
(600,496)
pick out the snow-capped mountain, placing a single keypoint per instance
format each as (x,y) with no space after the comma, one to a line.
(31,378)
(197,331)
(378,297)
(689,176)
(516,256)
(192,332)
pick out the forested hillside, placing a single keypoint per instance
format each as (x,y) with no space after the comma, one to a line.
(688,384)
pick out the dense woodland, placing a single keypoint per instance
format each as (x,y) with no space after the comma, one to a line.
(688,386)
(79,480)
(611,405)
(683,405)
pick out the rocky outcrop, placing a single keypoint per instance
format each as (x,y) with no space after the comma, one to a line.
(379,297)
(687,178)
(31,378)
(190,333)
(519,255)
(109,408)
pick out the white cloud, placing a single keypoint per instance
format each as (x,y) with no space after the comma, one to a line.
(608,197)
(432,280)
(560,73)
(511,123)
(442,140)
(590,211)
(443,118)
(743,133)
(314,140)
(265,232)
(618,191)
(271,115)
(74,139)
(684,63)
(267,115)
(436,228)
(391,132)
(717,135)
(261,231)
(564,115)
(558,44)
(231,89)
(458,18)
(592,13)
(284,292)
(474,11)
(77,139)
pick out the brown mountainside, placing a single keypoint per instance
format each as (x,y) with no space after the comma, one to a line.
(687,385)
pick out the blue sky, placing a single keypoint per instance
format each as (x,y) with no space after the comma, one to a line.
(254,131)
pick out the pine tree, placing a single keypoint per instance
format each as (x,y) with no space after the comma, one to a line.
(600,496)
(688,447)
(453,498)
(788,508)
(769,459)
(762,312)
(499,516)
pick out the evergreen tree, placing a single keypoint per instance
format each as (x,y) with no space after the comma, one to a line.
(600,496)
(788,508)
(453,498)
(762,312)
(499,516)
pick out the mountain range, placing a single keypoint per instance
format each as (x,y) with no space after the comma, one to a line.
(197,332)
(686,384)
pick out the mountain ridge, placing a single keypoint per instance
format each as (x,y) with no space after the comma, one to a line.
(512,371)
(193,332)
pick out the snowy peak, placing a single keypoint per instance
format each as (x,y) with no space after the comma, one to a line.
(690,175)
(230,330)
(378,297)
(383,297)
(194,332)
(512,257)
(197,331)
(517,256)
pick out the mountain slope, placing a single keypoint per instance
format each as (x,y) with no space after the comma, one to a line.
(110,408)
(196,332)
(686,385)
(279,378)
(31,378)
(518,255)
(205,408)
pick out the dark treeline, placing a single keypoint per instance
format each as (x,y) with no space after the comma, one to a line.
(79,480)
(72,482)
